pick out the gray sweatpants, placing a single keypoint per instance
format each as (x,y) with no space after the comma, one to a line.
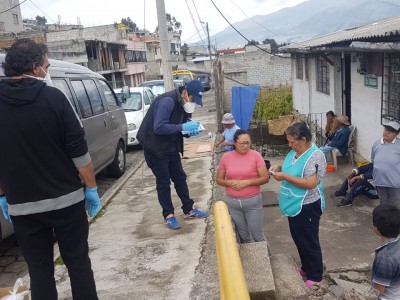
(389,195)
(248,216)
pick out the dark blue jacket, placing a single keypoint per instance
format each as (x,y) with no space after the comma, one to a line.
(366,171)
(341,140)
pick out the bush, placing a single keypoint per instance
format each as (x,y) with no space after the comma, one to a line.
(273,102)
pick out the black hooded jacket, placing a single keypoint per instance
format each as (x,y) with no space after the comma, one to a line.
(40,134)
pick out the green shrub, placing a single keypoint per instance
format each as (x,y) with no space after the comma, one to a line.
(273,102)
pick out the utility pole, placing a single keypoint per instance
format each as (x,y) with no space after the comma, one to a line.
(165,45)
(208,39)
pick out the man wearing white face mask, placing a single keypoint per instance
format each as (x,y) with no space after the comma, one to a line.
(161,137)
(43,152)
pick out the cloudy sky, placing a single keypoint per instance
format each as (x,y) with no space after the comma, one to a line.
(144,12)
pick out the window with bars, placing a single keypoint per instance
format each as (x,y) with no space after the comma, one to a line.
(391,88)
(322,75)
(299,67)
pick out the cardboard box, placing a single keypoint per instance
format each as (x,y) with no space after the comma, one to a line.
(6,292)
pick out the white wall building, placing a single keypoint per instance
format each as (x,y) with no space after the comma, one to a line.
(355,72)
(11,18)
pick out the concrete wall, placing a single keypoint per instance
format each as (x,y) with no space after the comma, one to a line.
(107,33)
(73,51)
(254,67)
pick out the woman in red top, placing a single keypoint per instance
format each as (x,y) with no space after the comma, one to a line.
(241,172)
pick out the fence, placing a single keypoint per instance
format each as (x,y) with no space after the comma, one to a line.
(276,145)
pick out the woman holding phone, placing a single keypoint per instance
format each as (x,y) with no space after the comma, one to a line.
(301,198)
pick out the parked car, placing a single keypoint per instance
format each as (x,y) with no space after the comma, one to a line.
(205,80)
(100,112)
(157,86)
(135,108)
(184,75)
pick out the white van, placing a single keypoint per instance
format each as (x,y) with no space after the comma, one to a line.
(101,113)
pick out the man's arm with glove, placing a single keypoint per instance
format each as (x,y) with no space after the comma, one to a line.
(92,199)
(190,126)
(4,207)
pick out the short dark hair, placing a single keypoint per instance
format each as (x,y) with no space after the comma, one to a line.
(386,218)
(299,130)
(22,56)
(238,133)
(330,113)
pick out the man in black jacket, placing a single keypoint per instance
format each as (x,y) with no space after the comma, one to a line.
(358,184)
(161,135)
(43,151)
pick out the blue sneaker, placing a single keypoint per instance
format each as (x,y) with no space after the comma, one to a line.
(172,223)
(195,213)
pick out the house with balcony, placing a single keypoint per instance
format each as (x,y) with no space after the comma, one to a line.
(103,49)
(354,72)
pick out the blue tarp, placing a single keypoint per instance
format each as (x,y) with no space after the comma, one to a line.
(243,101)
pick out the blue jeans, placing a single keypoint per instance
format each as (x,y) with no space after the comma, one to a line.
(360,187)
(167,168)
(326,149)
(305,233)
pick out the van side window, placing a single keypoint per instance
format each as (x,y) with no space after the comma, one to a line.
(110,97)
(63,86)
(88,97)
(94,97)
(83,100)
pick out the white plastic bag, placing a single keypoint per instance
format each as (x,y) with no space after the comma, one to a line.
(14,295)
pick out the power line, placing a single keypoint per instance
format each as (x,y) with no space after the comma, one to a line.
(251,19)
(43,12)
(194,23)
(198,16)
(240,32)
(1,12)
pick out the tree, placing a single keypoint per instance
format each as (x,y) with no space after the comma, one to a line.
(128,22)
(274,45)
(252,42)
(184,49)
(173,25)
(41,20)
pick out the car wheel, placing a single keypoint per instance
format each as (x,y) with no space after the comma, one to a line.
(117,167)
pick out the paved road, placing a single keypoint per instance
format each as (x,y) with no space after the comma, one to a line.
(12,263)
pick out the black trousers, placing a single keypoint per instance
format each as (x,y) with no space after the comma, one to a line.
(304,229)
(35,236)
(360,187)
(168,168)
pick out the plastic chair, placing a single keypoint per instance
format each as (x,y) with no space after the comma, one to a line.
(350,144)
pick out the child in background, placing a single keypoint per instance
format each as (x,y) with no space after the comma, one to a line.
(386,266)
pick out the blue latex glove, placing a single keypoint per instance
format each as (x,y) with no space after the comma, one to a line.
(4,207)
(92,200)
(194,132)
(191,125)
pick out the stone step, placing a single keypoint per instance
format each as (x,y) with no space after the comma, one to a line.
(257,270)
(289,285)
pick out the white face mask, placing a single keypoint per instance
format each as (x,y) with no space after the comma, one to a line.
(189,107)
(47,78)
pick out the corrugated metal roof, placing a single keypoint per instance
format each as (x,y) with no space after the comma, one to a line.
(381,28)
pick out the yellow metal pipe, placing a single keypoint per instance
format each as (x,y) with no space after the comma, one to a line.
(232,281)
